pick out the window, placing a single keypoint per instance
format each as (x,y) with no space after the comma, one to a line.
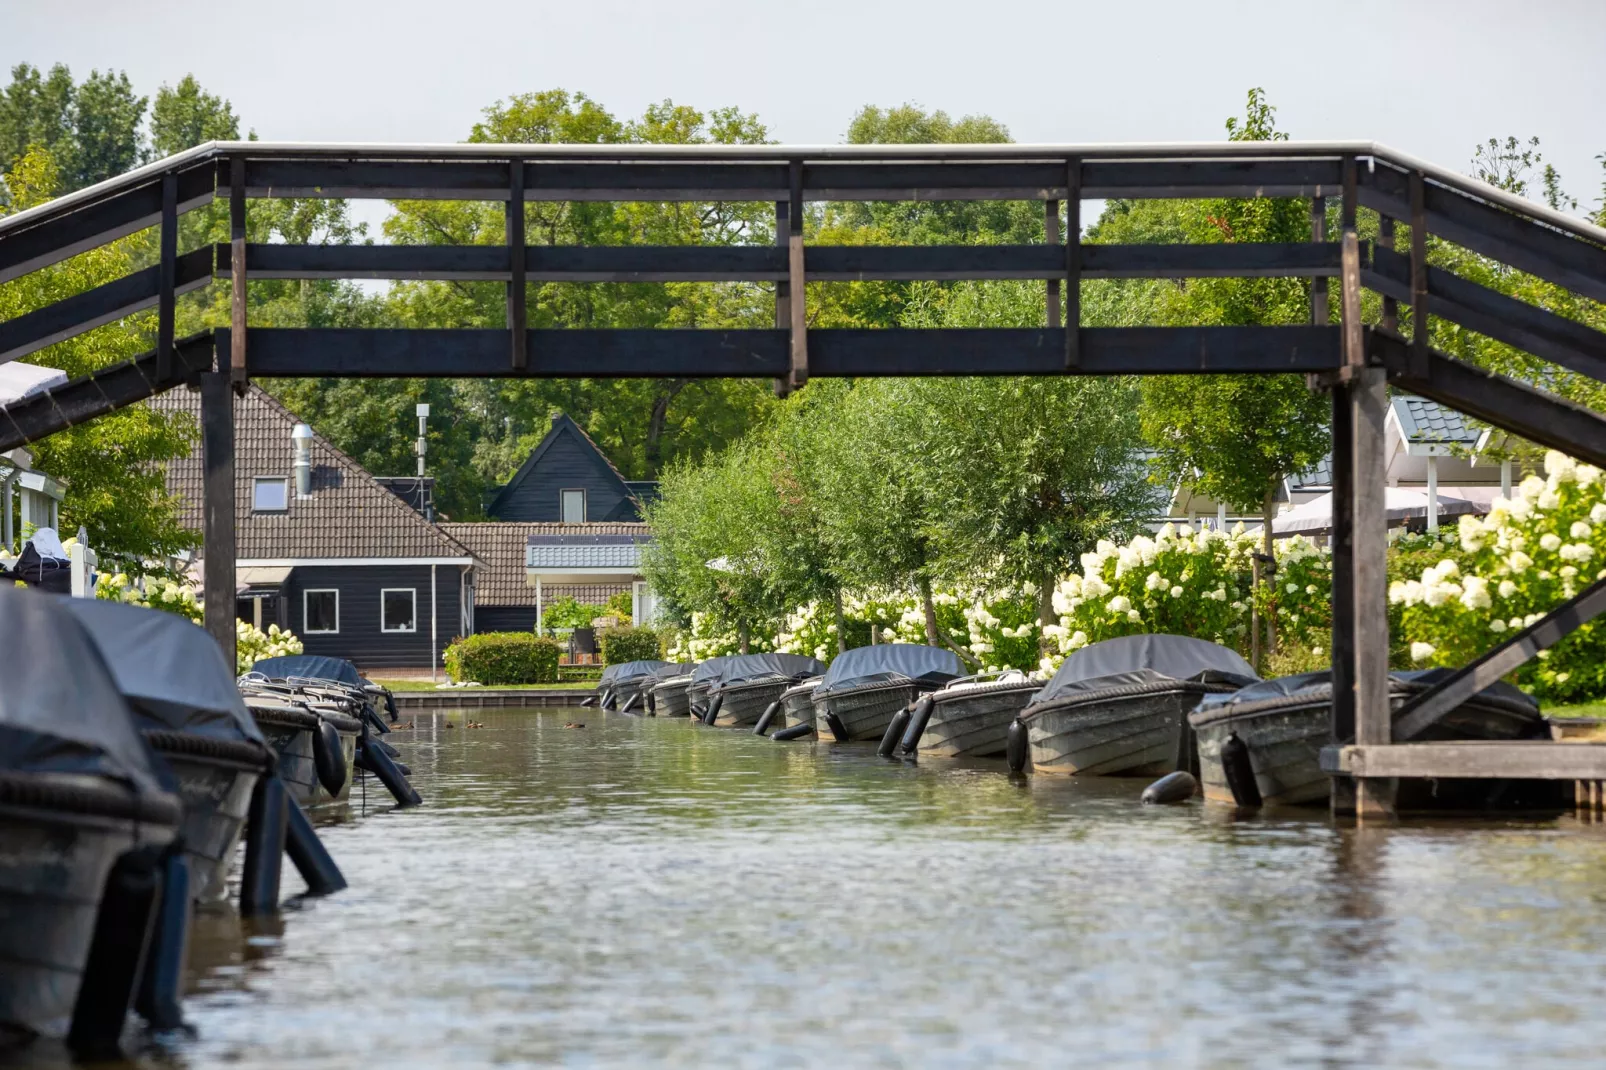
(574,507)
(398,609)
(320,611)
(270,494)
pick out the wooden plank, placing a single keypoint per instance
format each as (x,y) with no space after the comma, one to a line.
(87,226)
(1472,759)
(1051,237)
(72,316)
(1419,276)
(798,320)
(656,353)
(1425,710)
(1342,543)
(517,320)
(167,277)
(1073,265)
(1319,314)
(239,291)
(783,289)
(218,517)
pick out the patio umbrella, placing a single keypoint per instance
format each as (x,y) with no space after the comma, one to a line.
(1400,504)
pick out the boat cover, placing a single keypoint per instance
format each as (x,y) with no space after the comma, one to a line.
(669,669)
(890,661)
(170,671)
(60,711)
(311,667)
(736,668)
(629,670)
(1145,659)
(1290,686)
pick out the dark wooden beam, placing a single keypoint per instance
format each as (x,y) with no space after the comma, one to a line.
(655,353)
(42,414)
(167,277)
(1074,265)
(1517,407)
(1456,217)
(58,237)
(517,317)
(796,277)
(239,293)
(218,516)
(1489,312)
(72,316)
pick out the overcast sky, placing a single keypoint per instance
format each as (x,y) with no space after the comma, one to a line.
(1429,77)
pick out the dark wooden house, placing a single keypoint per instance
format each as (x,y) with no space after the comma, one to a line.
(568,480)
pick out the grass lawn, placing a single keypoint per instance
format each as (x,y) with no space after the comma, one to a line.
(1582,709)
(425,685)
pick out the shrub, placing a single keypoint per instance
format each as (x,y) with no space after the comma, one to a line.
(569,612)
(620,645)
(502,658)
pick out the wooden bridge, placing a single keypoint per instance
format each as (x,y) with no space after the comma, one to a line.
(1340,353)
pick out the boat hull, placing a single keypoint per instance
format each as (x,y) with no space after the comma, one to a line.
(215,781)
(1285,738)
(669,699)
(973,722)
(58,842)
(797,705)
(745,704)
(863,712)
(1129,731)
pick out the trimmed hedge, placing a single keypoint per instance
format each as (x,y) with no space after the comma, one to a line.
(501,658)
(620,645)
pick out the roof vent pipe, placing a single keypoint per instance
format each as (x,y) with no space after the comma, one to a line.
(301,437)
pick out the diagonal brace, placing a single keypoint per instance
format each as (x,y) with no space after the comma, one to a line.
(1423,711)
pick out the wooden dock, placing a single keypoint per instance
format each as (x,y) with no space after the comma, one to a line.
(480,698)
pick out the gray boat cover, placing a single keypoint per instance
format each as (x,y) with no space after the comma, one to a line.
(310,667)
(170,671)
(629,670)
(669,668)
(716,672)
(60,710)
(1145,659)
(1291,686)
(890,661)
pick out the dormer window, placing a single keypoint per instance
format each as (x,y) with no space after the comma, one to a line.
(574,507)
(270,494)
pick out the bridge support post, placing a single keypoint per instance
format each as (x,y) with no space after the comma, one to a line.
(217,522)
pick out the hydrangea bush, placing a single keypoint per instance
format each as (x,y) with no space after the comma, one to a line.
(998,630)
(251,643)
(1533,551)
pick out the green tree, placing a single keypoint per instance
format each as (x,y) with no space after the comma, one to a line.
(91,130)
(186,115)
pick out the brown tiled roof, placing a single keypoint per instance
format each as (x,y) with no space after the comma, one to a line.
(499,545)
(349,515)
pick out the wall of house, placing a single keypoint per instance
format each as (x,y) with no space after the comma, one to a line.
(568,464)
(504,618)
(360,639)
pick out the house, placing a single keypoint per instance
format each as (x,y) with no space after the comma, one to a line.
(325,550)
(28,498)
(568,480)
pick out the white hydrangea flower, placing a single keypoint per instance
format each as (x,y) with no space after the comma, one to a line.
(1310,588)
(1507,588)
(1597,513)
(1292,588)
(1531,488)
(1520,508)
(1519,562)
(1579,530)
(1548,502)
(1560,467)
(1475,593)
(1133,615)
(1078,640)
(1154,581)
(1176,592)
(1497,626)
(1119,604)
(1422,651)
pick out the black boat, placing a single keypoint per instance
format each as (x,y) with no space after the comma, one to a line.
(970,717)
(1285,723)
(866,687)
(746,684)
(185,702)
(1120,707)
(292,696)
(624,684)
(649,686)
(79,787)
(797,703)
(671,695)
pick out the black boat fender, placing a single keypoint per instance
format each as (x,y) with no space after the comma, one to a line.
(607,699)
(161,984)
(713,708)
(631,703)
(917,725)
(117,952)
(1240,771)
(380,744)
(376,722)
(1172,788)
(328,758)
(1017,746)
(652,703)
(390,708)
(589,700)
(376,761)
(309,856)
(264,847)
(894,732)
(766,717)
(797,731)
(839,731)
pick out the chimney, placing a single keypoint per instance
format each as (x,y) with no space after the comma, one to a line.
(301,438)
(420,448)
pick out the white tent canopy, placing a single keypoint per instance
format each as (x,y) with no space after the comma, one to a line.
(1315,517)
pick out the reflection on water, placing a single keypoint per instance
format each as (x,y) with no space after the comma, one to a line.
(646,892)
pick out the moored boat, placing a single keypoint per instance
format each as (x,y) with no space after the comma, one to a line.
(1285,723)
(671,696)
(797,703)
(1119,708)
(184,701)
(747,683)
(281,691)
(866,687)
(79,788)
(649,685)
(971,716)
(621,685)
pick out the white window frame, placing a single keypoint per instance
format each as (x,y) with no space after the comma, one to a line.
(257,481)
(410,630)
(306,627)
(563,497)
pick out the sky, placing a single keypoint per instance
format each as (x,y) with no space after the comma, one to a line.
(1432,78)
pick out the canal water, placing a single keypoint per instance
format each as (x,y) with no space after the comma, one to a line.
(647,892)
